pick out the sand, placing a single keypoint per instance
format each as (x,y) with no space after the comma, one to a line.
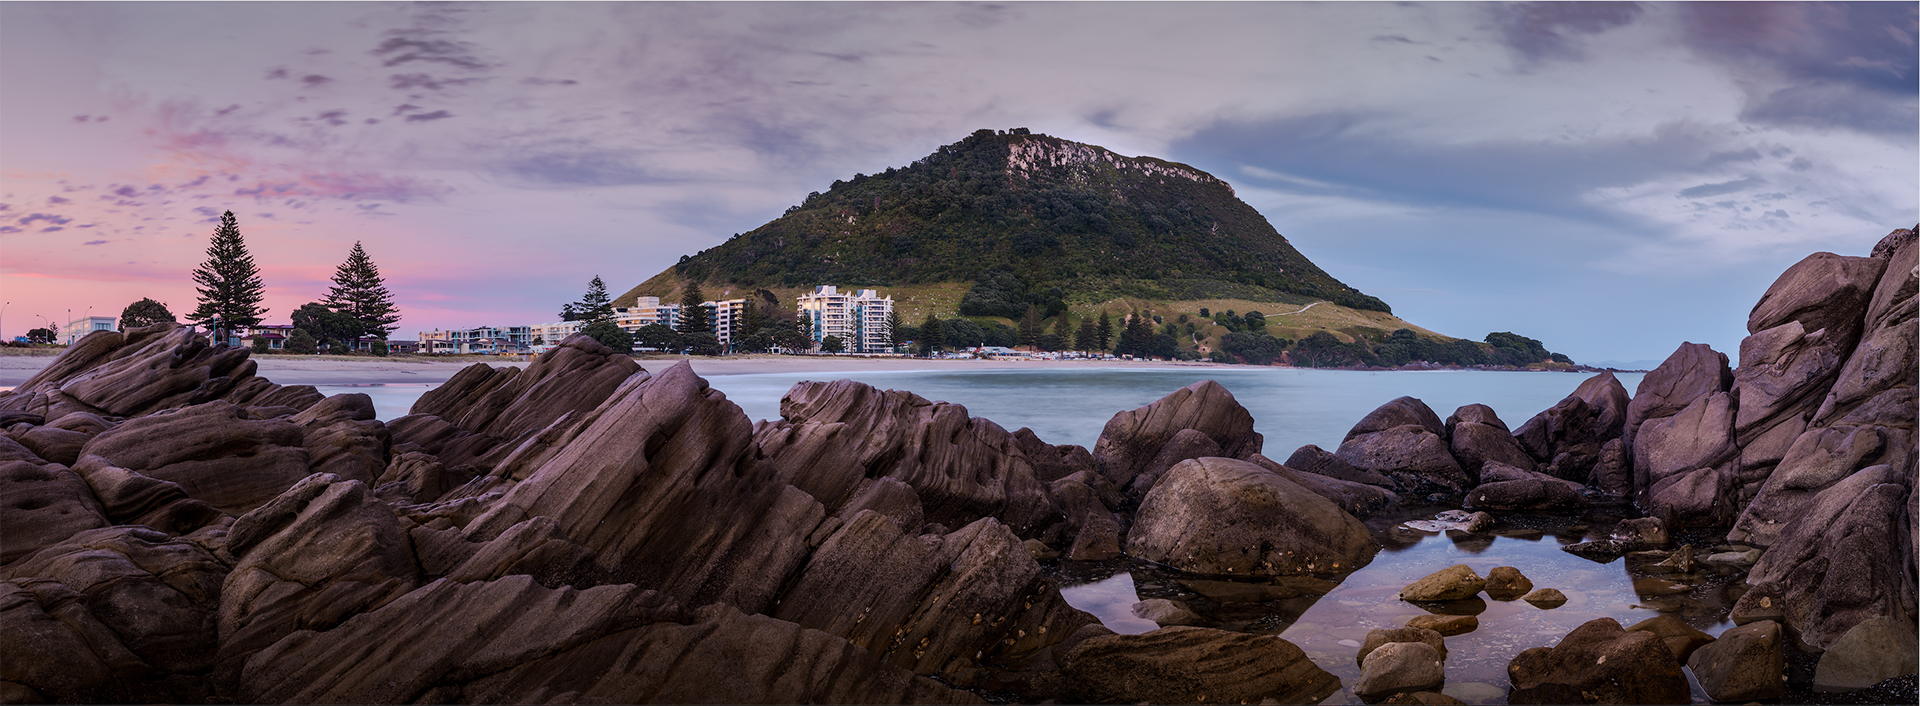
(341,371)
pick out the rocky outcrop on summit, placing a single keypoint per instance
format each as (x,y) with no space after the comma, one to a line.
(1132,440)
(835,437)
(1227,517)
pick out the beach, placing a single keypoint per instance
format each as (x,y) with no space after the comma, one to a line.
(339,370)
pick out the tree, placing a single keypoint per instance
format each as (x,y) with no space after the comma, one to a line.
(567,313)
(301,342)
(1030,326)
(1085,338)
(145,312)
(40,335)
(360,292)
(792,336)
(609,334)
(230,288)
(1062,340)
(1255,321)
(832,344)
(693,312)
(931,337)
(595,306)
(657,336)
(1103,334)
(894,326)
(703,344)
(330,328)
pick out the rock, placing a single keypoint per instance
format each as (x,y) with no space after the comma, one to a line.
(1193,665)
(1398,667)
(1476,444)
(1050,462)
(1744,664)
(1873,651)
(1818,459)
(1699,436)
(1566,438)
(343,438)
(318,554)
(1599,662)
(1480,522)
(45,503)
(923,602)
(1600,550)
(1166,612)
(1449,584)
(1399,412)
(1475,414)
(1184,445)
(1534,491)
(53,444)
(1679,637)
(833,436)
(1641,533)
(1097,540)
(1465,606)
(1416,459)
(1824,291)
(213,451)
(1281,588)
(1613,474)
(1830,567)
(1505,583)
(888,497)
(482,414)
(138,601)
(1319,461)
(1691,372)
(1680,563)
(1883,361)
(143,370)
(1784,372)
(1132,439)
(1382,636)
(1545,598)
(129,498)
(1743,558)
(1759,603)
(415,477)
(1222,516)
(1446,625)
(1357,499)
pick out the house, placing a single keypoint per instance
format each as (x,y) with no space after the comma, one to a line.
(273,336)
(484,340)
(79,328)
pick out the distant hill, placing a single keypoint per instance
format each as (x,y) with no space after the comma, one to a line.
(1070,222)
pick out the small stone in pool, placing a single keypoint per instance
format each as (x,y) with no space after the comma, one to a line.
(1545,598)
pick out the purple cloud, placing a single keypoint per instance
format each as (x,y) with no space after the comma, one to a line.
(423,117)
(58,199)
(95,242)
(48,217)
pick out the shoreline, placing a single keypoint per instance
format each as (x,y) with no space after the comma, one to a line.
(332,370)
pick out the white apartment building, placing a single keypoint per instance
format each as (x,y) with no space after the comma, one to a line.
(647,310)
(484,339)
(79,328)
(727,315)
(548,336)
(859,318)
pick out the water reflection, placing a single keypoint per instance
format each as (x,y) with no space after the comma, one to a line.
(1330,627)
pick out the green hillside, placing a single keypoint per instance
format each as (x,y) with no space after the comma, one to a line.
(1070,222)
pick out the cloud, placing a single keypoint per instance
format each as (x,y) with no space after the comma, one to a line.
(1844,65)
(1539,31)
(10,229)
(1725,187)
(48,217)
(575,163)
(411,81)
(425,117)
(315,80)
(95,242)
(58,200)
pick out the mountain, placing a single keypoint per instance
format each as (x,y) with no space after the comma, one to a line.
(1070,222)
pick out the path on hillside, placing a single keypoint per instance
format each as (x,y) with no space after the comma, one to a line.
(1304,308)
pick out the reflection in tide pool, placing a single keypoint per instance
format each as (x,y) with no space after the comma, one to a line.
(390,401)
(1331,628)
(1112,600)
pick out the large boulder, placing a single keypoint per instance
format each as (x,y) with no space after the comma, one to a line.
(1400,667)
(1321,462)
(1745,664)
(834,435)
(1132,439)
(1453,583)
(1504,487)
(1692,371)
(214,451)
(1876,650)
(1193,665)
(1404,440)
(1817,460)
(1476,444)
(1223,516)
(1882,366)
(1681,461)
(1358,499)
(1599,663)
(343,438)
(143,370)
(1566,439)
(1829,568)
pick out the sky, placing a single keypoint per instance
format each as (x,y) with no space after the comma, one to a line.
(1610,178)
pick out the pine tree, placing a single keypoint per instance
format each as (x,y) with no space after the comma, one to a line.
(359,291)
(693,312)
(1030,326)
(595,307)
(931,338)
(893,327)
(1103,334)
(230,287)
(1085,338)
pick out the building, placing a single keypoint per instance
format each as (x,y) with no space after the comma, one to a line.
(727,314)
(79,328)
(859,319)
(274,337)
(484,340)
(645,311)
(548,336)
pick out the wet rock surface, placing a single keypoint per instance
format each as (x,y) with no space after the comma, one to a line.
(1226,517)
